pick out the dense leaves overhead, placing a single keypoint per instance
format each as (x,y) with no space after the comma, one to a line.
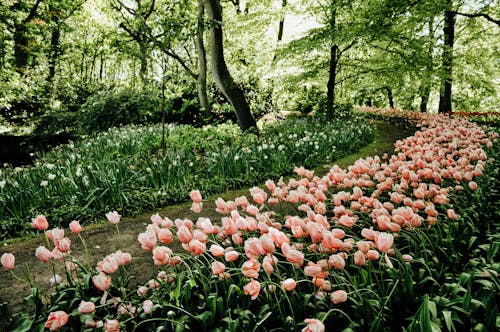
(54,54)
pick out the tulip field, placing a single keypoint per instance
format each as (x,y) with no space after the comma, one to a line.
(401,242)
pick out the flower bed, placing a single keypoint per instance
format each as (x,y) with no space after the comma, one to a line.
(126,169)
(386,244)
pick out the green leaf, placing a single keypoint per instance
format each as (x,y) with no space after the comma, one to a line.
(23,325)
(206,319)
(448,320)
(432,309)
(425,319)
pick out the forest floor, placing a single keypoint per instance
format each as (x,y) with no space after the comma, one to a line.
(101,238)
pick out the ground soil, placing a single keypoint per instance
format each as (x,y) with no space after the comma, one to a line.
(101,239)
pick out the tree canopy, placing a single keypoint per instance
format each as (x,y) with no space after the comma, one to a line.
(285,54)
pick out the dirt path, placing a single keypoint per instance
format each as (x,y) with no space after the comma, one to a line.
(100,238)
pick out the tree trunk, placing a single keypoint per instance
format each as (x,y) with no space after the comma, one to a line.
(143,59)
(280,26)
(426,84)
(390,97)
(202,64)
(449,39)
(21,48)
(332,77)
(55,40)
(221,74)
(2,50)
(425,98)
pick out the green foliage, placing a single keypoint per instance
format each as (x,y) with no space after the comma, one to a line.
(126,169)
(117,107)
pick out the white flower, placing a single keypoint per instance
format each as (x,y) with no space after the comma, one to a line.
(78,171)
(56,279)
(3,183)
(51,176)
(50,166)
(44,183)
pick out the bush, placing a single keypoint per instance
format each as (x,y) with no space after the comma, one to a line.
(118,107)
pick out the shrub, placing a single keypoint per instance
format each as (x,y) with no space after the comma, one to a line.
(118,107)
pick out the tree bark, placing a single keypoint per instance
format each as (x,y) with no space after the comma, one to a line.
(390,97)
(281,26)
(202,64)
(143,58)
(426,82)
(55,40)
(449,39)
(221,74)
(332,77)
(21,48)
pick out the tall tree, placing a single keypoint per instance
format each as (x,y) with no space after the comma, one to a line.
(222,77)
(25,12)
(202,62)
(447,58)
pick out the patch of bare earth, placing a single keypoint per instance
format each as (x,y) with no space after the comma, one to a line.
(102,239)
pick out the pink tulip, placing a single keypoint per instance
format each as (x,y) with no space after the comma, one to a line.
(384,241)
(102,282)
(452,215)
(252,210)
(196,196)
(113,217)
(184,234)
(231,256)
(253,247)
(147,240)
(55,234)
(196,207)
(197,247)
(161,255)
(112,326)
(312,269)
(64,245)
(8,261)
(75,227)
(252,289)
(109,265)
(56,320)
(313,325)
(156,219)
(147,306)
(218,268)
(43,254)
(165,236)
(86,307)
(336,261)
(216,250)
(359,258)
(142,291)
(296,257)
(472,185)
(251,268)
(407,258)
(288,284)
(40,223)
(373,255)
(338,296)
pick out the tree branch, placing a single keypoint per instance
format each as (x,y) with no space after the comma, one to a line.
(33,12)
(486,16)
